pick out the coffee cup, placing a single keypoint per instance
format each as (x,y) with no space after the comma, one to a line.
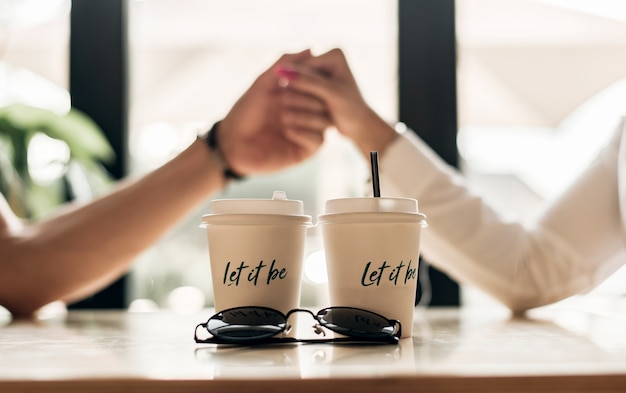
(256,251)
(372,248)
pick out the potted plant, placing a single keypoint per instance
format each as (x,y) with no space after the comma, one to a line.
(80,173)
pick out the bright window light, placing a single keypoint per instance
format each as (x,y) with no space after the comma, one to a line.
(315,268)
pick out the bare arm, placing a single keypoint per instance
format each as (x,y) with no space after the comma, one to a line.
(83,248)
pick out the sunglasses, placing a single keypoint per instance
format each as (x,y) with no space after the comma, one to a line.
(262,325)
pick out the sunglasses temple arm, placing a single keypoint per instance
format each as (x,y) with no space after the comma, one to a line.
(201,340)
(398,325)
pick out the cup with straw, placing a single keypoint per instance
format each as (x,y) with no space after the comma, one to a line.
(372,252)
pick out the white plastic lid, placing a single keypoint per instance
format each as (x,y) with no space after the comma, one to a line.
(279,204)
(367,205)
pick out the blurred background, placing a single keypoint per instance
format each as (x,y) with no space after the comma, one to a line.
(534,90)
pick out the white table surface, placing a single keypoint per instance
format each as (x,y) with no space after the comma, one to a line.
(452,350)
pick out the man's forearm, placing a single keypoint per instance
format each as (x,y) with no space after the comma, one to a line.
(85,247)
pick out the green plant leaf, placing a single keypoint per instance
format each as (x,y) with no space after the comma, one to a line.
(83,136)
(17,139)
(43,199)
(87,144)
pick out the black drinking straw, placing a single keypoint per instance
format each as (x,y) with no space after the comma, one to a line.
(375,176)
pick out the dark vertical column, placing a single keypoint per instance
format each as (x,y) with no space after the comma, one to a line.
(427,93)
(98,87)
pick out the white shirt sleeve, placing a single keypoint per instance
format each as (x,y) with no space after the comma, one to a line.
(567,250)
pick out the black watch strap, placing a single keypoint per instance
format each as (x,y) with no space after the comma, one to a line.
(212,142)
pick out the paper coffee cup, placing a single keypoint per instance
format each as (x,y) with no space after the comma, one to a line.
(256,251)
(372,255)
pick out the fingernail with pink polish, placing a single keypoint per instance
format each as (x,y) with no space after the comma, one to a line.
(288,73)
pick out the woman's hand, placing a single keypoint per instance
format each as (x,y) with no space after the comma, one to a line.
(256,137)
(328,78)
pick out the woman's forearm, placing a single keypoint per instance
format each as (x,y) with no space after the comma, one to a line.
(567,251)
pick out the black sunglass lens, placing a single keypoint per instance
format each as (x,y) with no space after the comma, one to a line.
(246,324)
(356,322)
